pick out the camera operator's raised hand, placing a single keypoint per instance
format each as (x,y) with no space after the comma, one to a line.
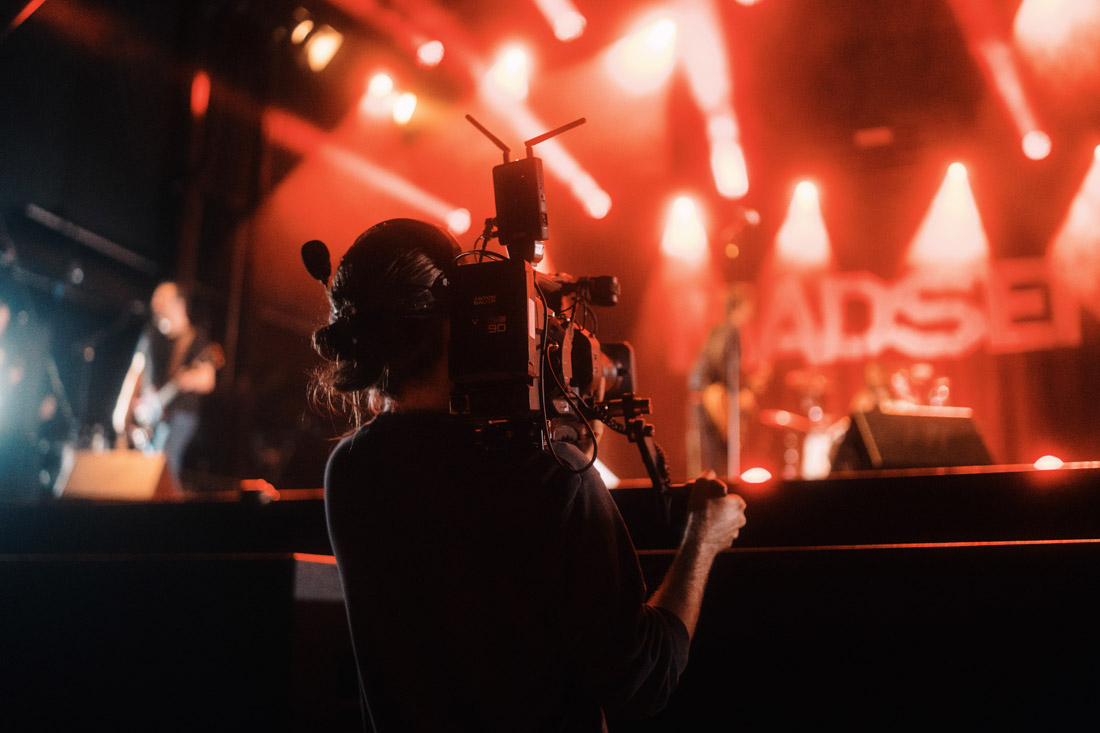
(715,518)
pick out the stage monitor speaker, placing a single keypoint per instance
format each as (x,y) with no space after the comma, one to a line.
(120,475)
(924,438)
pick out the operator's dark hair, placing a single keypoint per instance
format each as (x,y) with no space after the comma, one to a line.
(386,325)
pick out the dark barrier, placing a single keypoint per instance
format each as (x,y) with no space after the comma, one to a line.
(174,643)
(971,637)
(214,522)
(945,505)
(909,600)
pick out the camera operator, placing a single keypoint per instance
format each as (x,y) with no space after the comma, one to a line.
(488,587)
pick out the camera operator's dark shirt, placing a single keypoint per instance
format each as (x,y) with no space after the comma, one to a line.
(490,589)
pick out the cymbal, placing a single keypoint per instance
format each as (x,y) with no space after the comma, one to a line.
(785,419)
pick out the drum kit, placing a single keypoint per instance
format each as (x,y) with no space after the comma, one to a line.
(812,436)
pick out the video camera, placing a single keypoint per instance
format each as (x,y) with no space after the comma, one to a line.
(524,362)
(522,356)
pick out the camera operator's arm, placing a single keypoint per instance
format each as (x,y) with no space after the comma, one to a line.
(714,519)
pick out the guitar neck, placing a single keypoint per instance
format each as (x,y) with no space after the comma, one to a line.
(167,393)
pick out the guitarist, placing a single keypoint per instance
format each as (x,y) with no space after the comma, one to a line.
(175,363)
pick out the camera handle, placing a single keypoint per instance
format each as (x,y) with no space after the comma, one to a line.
(638,431)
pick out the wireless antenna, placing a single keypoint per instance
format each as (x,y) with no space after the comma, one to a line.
(494,138)
(521,223)
(547,135)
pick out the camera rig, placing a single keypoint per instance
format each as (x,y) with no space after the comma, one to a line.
(523,359)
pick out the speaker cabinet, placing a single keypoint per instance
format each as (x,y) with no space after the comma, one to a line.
(923,438)
(121,475)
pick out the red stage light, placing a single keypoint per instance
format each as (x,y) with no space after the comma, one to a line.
(952,232)
(510,73)
(321,46)
(997,59)
(429,53)
(379,97)
(1049,463)
(727,162)
(685,235)
(200,93)
(403,108)
(802,241)
(563,17)
(1036,145)
(643,60)
(1075,246)
(756,475)
(1059,35)
(458,221)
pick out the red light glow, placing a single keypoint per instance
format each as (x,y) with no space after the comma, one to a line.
(802,242)
(1036,145)
(727,162)
(562,15)
(1049,463)
(301,31)
(609,478)
(756,475)
(200,94)
(1075,247)
(430,53)
(510,73)
(704,57)
(707,68)
(952,232)
(996,58)
(300,136)
(685,235)
(458,221)
(643,60)
(321,47)
(403,108)
(379,97)
(1061,39)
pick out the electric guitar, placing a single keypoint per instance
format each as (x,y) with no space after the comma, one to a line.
(148,431)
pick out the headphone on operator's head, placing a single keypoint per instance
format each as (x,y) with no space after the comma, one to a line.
(387,237)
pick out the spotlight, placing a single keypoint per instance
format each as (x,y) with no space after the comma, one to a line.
(430,53)
(802,242)
(458,221)
(510,73)
(321,46)
(301,31)
(319,42)
(403,108)
(1036,145)
(378,100)
(685,235)
(1049,463)
(643,60)
(756,475)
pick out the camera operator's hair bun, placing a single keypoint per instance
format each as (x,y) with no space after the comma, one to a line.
(337,340)
(386,311)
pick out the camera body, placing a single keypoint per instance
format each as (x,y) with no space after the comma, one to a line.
(520,351)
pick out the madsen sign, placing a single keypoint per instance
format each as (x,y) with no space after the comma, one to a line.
(1007,306)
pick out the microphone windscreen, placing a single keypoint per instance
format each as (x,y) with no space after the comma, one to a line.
(316,259)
